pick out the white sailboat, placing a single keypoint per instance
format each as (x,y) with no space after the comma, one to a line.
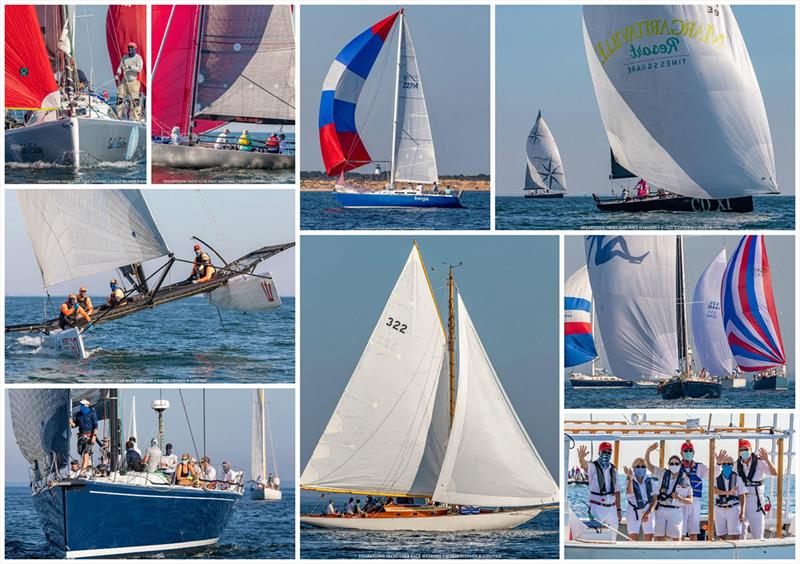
(266,484)
(390,436)
(544,172)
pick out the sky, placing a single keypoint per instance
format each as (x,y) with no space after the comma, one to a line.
(509,285)
(228,424)
(234,222)
(631,449)
(91,47)
(541,65)
(452,45)
(700,250)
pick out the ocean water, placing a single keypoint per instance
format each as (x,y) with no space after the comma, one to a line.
(536,539)
(256,530)
(319,210)
(579,212)
(182,341)
(109,173)
(644,397)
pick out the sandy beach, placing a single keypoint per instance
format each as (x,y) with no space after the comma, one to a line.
(326,184)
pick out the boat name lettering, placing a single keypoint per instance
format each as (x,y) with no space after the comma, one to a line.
(654,65)
(701,204)
(397,325)
(31,149)
(669,46)
(116,143)
(410,81)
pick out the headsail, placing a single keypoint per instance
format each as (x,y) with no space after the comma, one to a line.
(711,342)
(748,308)
(691,64)
(258,437)
(579,346)
(543,170)
(123,25)
(490,459)
(633,282)
(340,143)
(246,71)
(414,158)
(389,431)
(30,84)
(67,248)
(39,419)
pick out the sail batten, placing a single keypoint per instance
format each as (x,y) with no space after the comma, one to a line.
(544,169)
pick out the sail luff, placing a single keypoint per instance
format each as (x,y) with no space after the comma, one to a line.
(163,41)
(400,38)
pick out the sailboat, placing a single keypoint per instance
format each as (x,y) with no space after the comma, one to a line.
(413,157)
(266,485)
(393,437)
(67,250)
(750,317)
(639,294)
(579,347)
(115,512)
(681,106)
(64,122)
(544,173)
(217,65)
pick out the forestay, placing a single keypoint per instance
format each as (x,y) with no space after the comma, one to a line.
(711,342)
(543,170)
(258,437)
(679,98)
(389,431)
(39,420)
(67,247)
(490,460)
(633,282)
(579,346)
(414,156)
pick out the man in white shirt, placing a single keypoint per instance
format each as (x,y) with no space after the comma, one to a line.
(208,473)
(227,477)
(74,469)
(169,461)
(752,470)
(130,65)
(604,493)
(152,457)
(729,501)
(222,139)
(697,473)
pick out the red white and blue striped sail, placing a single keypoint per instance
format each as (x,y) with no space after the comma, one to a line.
(340,143)
(579,345)
(748,308)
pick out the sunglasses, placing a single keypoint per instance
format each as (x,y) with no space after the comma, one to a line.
(645,467)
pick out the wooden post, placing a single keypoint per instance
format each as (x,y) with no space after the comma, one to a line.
(712,482)
(779,508)
(451,346)
(741,420)
(616,454)
(661,452)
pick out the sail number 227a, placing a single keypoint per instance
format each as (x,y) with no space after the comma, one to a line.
(396,325)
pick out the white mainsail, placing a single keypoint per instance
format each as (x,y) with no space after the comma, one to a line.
(414,156)
(543,170)
(77,233)
(389,431)
(711,342)
(633,282)
(39,420)
(490,459)
(131,428)
(258,437)
(679,98)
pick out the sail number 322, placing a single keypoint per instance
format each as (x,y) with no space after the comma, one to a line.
(396,325)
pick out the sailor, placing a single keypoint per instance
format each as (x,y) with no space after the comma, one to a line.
(185,472)
(175,136)
(331,510)
(283,146)
(604,498)
(74,469)
(357,508)
(752,470)
(135,446)
(86,422)
(117,296)
(105,452)
(169,461)
(641,501)
(642,189)
(350,507)
(127,74)
(70,311)
(85,301)
(133,460)
(207,472)
(152,458)
(697,472)
(202,270)
(673,491)
(222,139)
(273,143)
(227,478)
(729,501)
(244,141)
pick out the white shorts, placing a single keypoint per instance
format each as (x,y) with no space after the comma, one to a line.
(754,518)
(606,515)
(726,521)
(691,517)
(635,525)
(669,522)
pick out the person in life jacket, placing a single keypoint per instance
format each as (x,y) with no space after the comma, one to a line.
(72,314)
(273,143)
(673,491)
(117,295)
(641,497)
(185,473)
(642,189)
(130,65)
(752,470)
(86,422)
(729,501)
(244,141)
(697,472)
(202,270)
(604,497)
(85,301)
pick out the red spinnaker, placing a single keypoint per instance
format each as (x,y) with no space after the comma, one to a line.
(30,84)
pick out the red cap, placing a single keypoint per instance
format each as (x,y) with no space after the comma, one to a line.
(687,446)
(743,443)
(606,447)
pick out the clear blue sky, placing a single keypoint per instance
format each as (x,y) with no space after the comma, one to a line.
(234,222)
(228,423)
(91,48)
(541,64)
(452,44)
(509,284)
(700,250)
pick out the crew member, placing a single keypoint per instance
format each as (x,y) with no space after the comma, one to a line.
(117,296)
(244,141)
(86,422)
(729,501)
(85,301)
(70,312)
(127,74)
(185,473)
(752,470)
(222,139)
(273,143)
(641,501)
(697,472)
(604,498)
(673,491)
(202,270)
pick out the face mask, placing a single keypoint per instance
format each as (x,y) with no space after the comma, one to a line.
(131,51)
(727,470)
(675,467)
(688,455)
(640,472)
(604,459)
(113,286)
(745,454)
(84,409)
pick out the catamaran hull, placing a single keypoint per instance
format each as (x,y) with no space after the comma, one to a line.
(378,200)
(686,550)
(676,389)
(68,342)
(92,140)
(198,157)
(544,195)
(442,523)
(85,519)
(675,204)
(265,494)
(771,383)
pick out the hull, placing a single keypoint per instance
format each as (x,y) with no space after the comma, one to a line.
(686,550)
(676,389)
(675,204)
(441,523)
(68,342)
(78,142)
(198,157)
(379,200)
(94,519)
(771,383)
(265,494)
(600,384)
(544,195)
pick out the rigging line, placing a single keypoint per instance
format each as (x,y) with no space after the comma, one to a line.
(267,91)
(220,232)
(191,432)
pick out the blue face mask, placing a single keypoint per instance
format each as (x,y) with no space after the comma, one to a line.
(688,455)
(745,454)
(727,470)
(84,409)
(640,472)
(604,458)
(113,287)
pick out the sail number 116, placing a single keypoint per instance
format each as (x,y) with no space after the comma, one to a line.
(396,325)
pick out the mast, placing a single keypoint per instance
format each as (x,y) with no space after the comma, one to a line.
(113,397)
(201,19)
(263,407)
(680,307)
(394,146)
(451,347)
